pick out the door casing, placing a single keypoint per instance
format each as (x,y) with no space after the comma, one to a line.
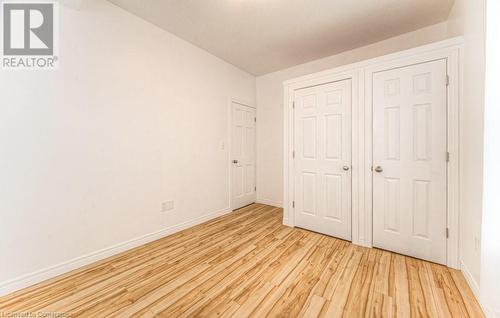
(361,75)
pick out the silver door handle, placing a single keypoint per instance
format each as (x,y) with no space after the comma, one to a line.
(346,168)
(235,161)
(379,169)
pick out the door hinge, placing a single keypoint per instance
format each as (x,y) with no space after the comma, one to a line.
(293,204)
(293,154)
(255,188)
(255,119)
(447,156)
(447,233)
(293,104)
(447,80)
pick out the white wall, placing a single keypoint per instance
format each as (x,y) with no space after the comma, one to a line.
(133,117)
(490,247)
(270,103)
(467,18)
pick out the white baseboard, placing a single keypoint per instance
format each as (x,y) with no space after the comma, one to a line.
(78,262)
(490,313)
(286,222)
(361,242)
(474,286)
(277,204)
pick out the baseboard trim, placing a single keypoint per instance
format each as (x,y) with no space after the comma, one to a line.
(361,242)
(270,202)
(286,222)
(474,286)
(47,273)
(489,313)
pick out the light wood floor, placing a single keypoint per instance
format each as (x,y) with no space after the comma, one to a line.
(248,264)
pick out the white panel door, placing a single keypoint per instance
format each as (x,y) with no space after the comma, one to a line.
(410,160)
(243,156)
(323,159)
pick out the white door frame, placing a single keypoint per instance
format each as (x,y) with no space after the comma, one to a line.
(229,145)
(361,76)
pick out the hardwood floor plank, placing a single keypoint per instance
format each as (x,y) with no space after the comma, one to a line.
(297,286)
(314,307)
(362,286)
(244,281)
(438,294)
(379,306)
(419,305)
(338,300)
(401,293)
(470,302)
(247,264)
(452,295)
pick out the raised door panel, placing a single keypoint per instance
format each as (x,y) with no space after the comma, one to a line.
(333,196)
(309,130)
(333,136)
(309,197)
(392,142)
(392,205)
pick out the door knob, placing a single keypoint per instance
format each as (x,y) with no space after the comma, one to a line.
(379,169)
(235,161)
(346,168)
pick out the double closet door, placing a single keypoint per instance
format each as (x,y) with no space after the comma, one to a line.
(409,155)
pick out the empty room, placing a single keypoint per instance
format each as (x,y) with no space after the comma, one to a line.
(250,158)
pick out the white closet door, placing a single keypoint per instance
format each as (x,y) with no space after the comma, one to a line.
(323,159)
(243,156)
(409,160)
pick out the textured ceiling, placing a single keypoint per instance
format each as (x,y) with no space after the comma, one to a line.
(262,36)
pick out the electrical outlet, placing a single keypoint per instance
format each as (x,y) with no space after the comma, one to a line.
(167,206)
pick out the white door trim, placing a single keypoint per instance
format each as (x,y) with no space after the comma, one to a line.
(229,146)
(361,74)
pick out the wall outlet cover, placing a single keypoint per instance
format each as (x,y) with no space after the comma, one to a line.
(167,206)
